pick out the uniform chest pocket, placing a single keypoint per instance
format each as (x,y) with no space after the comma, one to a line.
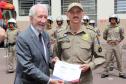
(84,51)
(85,45)
(66,45)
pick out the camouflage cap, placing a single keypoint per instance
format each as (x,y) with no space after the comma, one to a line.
(74,5)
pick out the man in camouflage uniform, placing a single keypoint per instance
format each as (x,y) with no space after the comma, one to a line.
(11,41)
(113,34)
(97,31)
(93,24)
(74,45)
(59,27)
(68,21)
(49,25)
(49,29)
(86,22)
(59,22)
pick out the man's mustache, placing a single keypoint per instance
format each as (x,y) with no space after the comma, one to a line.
(75,17)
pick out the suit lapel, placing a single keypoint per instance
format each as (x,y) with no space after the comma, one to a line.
(38,44)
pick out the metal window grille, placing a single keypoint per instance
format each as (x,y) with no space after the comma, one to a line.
(90,7)
(24,5)
(120,6)
(9,1)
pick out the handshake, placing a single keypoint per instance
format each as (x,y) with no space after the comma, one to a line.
(61,82)
(51,81)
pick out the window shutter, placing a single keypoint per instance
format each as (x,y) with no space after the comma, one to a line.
(24,6)
(90,7)
(120,6)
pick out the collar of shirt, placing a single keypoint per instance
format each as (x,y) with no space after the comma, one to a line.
(82,30)
(114,27)
(35,31)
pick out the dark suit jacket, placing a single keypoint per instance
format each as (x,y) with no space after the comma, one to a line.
(32,68)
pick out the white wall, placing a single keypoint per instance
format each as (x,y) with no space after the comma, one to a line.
(56,8)
(105,8)
(122,16)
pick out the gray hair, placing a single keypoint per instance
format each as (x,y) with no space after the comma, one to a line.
(33,9)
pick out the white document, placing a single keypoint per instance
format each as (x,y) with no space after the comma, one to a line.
(66,71)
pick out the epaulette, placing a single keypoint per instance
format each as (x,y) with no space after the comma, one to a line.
(61,29)
(61,33)
(91,28)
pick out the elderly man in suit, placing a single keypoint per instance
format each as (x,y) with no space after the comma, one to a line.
(33,50)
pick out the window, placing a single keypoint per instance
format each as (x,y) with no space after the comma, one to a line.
(120,6)
(90,7)
(9,1)
(24,6)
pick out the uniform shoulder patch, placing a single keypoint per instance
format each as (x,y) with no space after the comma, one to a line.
(86,37)
(61,34)
(60,30)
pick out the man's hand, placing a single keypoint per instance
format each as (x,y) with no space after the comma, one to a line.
(75,82)
(84,67)
(54,59)
(56,81)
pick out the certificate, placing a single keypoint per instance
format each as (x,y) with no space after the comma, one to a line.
(66,71)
